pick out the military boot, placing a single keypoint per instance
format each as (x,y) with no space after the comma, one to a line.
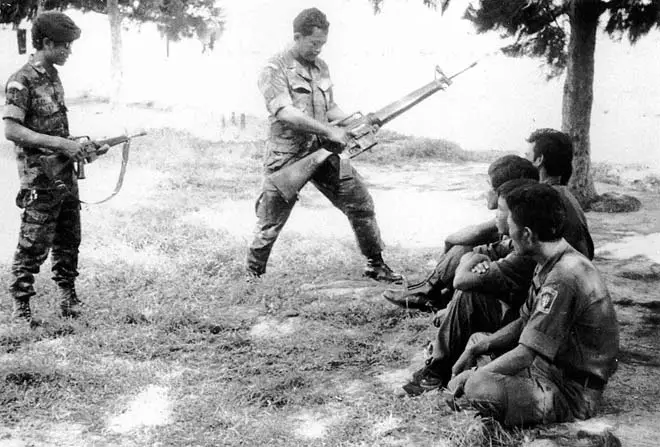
(22,310)
(70,305)
(428,295)
(378,270)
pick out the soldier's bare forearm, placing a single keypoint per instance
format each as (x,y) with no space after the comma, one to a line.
(299,121)
(473,235)
(21,135)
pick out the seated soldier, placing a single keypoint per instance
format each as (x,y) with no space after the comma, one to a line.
(561,351)
(551,151)
(491,284)
(435,292)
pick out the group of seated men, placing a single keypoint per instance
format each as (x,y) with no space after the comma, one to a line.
(526,328)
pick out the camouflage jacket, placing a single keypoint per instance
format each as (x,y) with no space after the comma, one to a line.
(285,81)
(35,99)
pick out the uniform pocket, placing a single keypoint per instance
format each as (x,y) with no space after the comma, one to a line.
(36,216)
(301,94)
(45,107)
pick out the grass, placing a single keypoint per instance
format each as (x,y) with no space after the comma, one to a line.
(167,306)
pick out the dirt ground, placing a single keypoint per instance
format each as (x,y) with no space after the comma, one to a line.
(417,206)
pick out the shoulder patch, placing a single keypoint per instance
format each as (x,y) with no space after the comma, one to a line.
(546,299)
(15,84)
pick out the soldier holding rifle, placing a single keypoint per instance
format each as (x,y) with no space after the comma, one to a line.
(298,92)
(35,119)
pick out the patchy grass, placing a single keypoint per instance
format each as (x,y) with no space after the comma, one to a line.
(273,363)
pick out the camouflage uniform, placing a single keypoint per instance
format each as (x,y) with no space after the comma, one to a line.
(48,196)
(287,82)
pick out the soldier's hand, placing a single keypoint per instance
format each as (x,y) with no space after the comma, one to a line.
(466,361)
(456,385)
(340,137)
(95,152)
(73,149)
(481,268)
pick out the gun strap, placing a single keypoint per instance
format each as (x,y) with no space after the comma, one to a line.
(120,180)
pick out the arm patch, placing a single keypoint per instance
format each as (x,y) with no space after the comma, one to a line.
(15,84)
(547,297)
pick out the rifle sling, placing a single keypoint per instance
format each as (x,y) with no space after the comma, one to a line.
(120,180)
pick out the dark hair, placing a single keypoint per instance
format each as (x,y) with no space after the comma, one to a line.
(511,167)
(557,150)
(540,208)
(505,188)
(308,19)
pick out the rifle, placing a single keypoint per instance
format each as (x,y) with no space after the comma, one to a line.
(96,148)
(290,179)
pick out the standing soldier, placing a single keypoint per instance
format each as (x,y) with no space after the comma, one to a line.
(298,92)
(36,121)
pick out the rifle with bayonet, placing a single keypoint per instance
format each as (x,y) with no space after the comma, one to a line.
(362,130)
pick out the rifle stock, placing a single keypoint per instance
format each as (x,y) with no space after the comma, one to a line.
(290,179)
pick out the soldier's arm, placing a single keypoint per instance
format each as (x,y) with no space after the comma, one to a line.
(473,235)
(466,277)
(502,340)
(299,121)
(21,135)
(336,114)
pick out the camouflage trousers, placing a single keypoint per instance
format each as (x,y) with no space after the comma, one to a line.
(349,195)
(50,222)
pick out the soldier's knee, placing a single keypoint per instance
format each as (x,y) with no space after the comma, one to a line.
(481,386)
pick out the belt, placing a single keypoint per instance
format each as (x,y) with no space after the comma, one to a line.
(587,380)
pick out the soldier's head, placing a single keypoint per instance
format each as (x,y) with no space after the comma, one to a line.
(536,215)
(508,167)
(502,208)
(551,151)
(52,33)
(310,33)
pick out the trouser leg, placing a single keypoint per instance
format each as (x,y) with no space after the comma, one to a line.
(272,213)
(530,397)
(445,270)
(38,222)
(66,243)
(352,198)
(467,313)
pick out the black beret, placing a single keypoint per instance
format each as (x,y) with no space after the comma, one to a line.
(57,26)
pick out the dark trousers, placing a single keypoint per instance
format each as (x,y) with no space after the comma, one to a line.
(50,222)
(467,313)
(349,195)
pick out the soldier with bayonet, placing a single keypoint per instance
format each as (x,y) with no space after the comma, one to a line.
(297,88)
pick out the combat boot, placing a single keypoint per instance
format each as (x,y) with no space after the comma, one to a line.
(378,270)
(22,310)
(428,295)
(429,378)
(70,305)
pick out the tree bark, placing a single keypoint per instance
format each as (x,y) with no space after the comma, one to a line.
(116,73)
(578,94)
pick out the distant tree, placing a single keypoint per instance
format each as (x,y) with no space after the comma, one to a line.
(563,33)
(175,19)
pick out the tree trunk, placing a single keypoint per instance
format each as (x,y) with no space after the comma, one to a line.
(115,59)
(578,94)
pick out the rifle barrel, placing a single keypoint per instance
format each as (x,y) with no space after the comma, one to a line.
(391,111)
